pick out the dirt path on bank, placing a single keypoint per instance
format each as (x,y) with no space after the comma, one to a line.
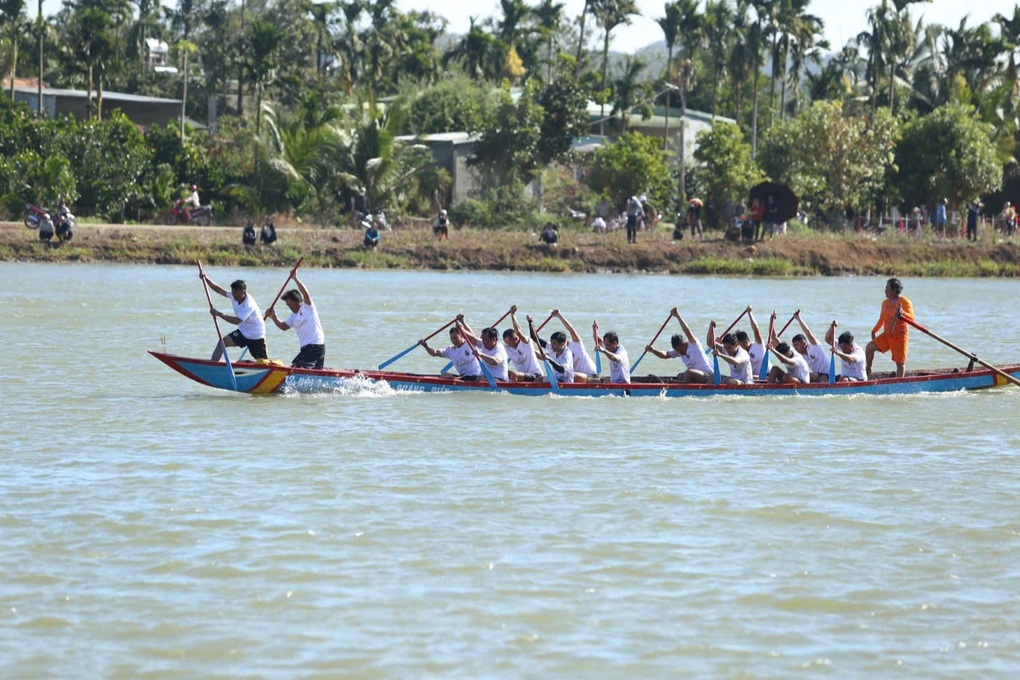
(473,249)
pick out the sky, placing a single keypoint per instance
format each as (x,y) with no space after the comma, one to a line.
(843,19)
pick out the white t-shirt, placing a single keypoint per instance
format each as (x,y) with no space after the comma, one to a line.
(463,359)
(252,326)
(524,358)
(305,322)
(817,359)
(742,369)
(757,354)
(856,369)
(800,369)
(566,360)
(695,357)
(619,371)
(499,354)
(583,363)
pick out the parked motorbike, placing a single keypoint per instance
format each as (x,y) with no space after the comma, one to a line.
(39,218)
(178,214)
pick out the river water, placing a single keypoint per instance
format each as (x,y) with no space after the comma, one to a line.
(151,527)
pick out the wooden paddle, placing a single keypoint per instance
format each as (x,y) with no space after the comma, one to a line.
(718,338)
(783,330)
(661,328)
(277,298)
(416,344)
(216,323)
(970,355)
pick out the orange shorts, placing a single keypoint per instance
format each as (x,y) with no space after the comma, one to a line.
(898,346)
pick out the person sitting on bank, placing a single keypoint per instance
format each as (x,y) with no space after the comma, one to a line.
(549,235)
(268,233)
(460,352)
(248,235)
(797,370)
(371,235)
(598,225)
(304,319)
(441,226)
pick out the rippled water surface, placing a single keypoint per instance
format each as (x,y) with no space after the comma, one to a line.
(151,527)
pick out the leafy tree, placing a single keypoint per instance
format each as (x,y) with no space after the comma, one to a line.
(830,159)
(509,144)
(725,166)
(633,165)
(453,105)
(946,154)
(12,15)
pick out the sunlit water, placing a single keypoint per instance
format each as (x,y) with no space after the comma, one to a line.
(151,527)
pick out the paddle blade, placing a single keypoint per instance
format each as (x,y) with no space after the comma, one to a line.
(598,362)
(555,386)
(764,373)
(397,356)
(716,377)
(832,368)
(230,368)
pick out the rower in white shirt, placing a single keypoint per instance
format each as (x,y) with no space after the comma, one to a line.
(689,350)
(807,346)
(793,367)
(853,362)
(737,357)
(489,350)
(584,365)
(521,351)
(559,356)
(460,353)
(619,362)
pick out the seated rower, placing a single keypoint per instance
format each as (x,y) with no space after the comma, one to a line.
(619,362)
(521,352)
(797,370)
(689,351)
(460,353)
(853,367)
(807,346)
(584,365)
(489,350)
(559,356)
(737,357)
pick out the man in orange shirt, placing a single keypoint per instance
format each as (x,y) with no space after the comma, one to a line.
(895,335)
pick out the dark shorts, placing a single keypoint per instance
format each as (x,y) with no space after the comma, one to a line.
(256,347)
(310,356)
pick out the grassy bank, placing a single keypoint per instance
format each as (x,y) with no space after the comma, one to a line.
(794,255)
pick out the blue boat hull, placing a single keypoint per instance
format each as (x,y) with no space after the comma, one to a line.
(268,378)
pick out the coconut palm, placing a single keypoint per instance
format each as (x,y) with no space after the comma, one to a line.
(611,14)
(629,91)
(262,47)
(589,8)
(548,18)
(326,25)
(765,11)
(719,28)
(803,44)
(12,13)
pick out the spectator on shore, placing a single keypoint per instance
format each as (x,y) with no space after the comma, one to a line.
(549,235)
(973,215)
(939,218)
(598,225)
(441,226)
(268,234)
(634,215)
(248,235)
(1009,219)
(371,235)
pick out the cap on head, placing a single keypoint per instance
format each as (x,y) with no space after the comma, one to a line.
(194,187)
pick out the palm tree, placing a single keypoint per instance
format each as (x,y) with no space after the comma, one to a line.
(629,90)
(610,14)
(670,25)
(741,55)
(477,52)
(548,15)
(589,8)
(324,23)
(262,52)
(765,11)
(11,13)
(1009,33)
(802,42)
(718,28)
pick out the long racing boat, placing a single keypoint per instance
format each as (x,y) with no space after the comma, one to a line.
(250,377)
